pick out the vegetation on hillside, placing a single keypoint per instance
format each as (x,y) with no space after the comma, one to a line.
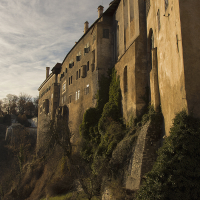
(176,173)
(106,149)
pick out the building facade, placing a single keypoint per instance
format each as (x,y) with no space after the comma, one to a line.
(154,47)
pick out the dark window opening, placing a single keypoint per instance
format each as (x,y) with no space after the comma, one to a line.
(71,65)
(70,99)
(71,79)
(88,65)
(86,50)
(83,71)
(79,73)
(76,75)
(78,58)
(66,70)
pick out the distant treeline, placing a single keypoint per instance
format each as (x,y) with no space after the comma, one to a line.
(23,107)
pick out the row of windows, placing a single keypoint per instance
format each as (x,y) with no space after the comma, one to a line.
(77,95)
(84,71)
(85,68)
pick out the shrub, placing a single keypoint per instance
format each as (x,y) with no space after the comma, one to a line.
(176,173)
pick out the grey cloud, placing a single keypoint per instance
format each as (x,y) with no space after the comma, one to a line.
(38,33)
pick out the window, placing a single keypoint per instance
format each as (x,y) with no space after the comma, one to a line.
(76,75)
(158,18)
(63,99)
(64,87)
(125,80)
(79,75)
(70,99)
(46,105)
(93,57)
(71,64)
(166,4)
(77,95)
(52,95)
(66,70)
(106,33)
(71,79)
(78,57)
(87,89)
(83,71)
(88,66)
(87,48)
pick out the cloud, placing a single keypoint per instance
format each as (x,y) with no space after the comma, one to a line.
(36,34)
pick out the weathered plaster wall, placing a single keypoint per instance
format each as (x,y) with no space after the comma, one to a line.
(171,76)
(132,55)
(98,66)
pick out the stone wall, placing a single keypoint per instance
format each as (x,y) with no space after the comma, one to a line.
(131,63)
(79,82)
(164,33)
(47,105)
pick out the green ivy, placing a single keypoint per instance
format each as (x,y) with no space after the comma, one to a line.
(89,126)
(97,128)
(176,173)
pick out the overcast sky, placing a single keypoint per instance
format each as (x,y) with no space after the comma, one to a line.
(35,34)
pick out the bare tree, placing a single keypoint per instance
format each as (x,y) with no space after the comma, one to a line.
(58,133)
(23,99)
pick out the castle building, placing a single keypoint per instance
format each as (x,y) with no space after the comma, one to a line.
(154,47)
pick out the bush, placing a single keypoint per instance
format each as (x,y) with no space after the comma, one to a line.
(176,173)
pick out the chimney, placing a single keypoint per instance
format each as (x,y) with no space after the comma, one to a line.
(86,26)
(100,11)
(47,72)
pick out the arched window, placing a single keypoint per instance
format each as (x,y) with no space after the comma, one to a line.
(125,80)
(158,18)
(166,4)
